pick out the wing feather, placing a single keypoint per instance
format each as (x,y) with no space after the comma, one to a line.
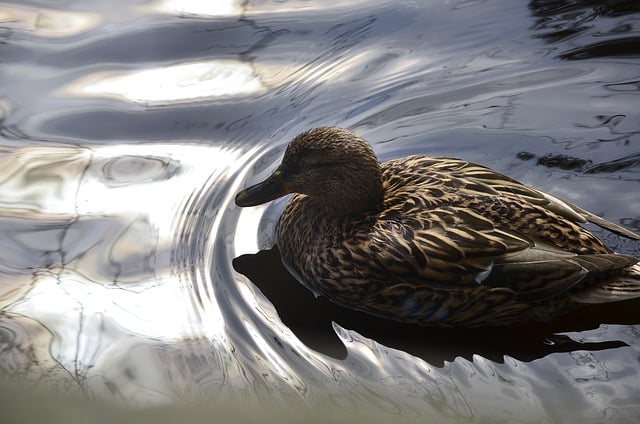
(496,182)
(457,225)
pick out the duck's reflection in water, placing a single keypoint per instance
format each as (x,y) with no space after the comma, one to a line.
(311,318)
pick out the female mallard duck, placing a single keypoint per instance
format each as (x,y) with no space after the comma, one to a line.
(435,241)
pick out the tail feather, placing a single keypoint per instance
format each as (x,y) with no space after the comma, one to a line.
(624,286)
(608,225)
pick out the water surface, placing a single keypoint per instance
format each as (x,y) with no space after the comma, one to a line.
(129,275)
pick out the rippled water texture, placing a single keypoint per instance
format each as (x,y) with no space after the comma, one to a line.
(128,274)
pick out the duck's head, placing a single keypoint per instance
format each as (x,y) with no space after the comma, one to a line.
(336,168)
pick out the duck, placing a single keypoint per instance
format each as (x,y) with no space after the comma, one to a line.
(435,241)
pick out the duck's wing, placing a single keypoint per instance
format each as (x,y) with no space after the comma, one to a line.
(457,248)
(460,241)
(543,272)
(448,223)
(488,181)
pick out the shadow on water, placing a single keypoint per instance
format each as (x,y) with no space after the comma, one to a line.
(311,318)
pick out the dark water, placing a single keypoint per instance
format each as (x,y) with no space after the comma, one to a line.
(128,274)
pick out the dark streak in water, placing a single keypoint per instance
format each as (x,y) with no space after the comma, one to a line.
(629,47)
(586,166)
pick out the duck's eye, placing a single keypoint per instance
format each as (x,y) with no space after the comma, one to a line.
(307,163)
(309,160)
(315,162)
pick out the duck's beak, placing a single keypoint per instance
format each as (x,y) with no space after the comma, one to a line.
(266,191)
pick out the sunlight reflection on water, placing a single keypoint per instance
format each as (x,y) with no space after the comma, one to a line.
(48,23)
(197,7)
(120,203)
(180,83)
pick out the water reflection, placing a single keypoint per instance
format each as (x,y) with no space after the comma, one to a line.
(587,23)
(182,83)
(47,23)
(125,137)
(197,8)
(588,167)
(26,353)
(91,235)
(562,19)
